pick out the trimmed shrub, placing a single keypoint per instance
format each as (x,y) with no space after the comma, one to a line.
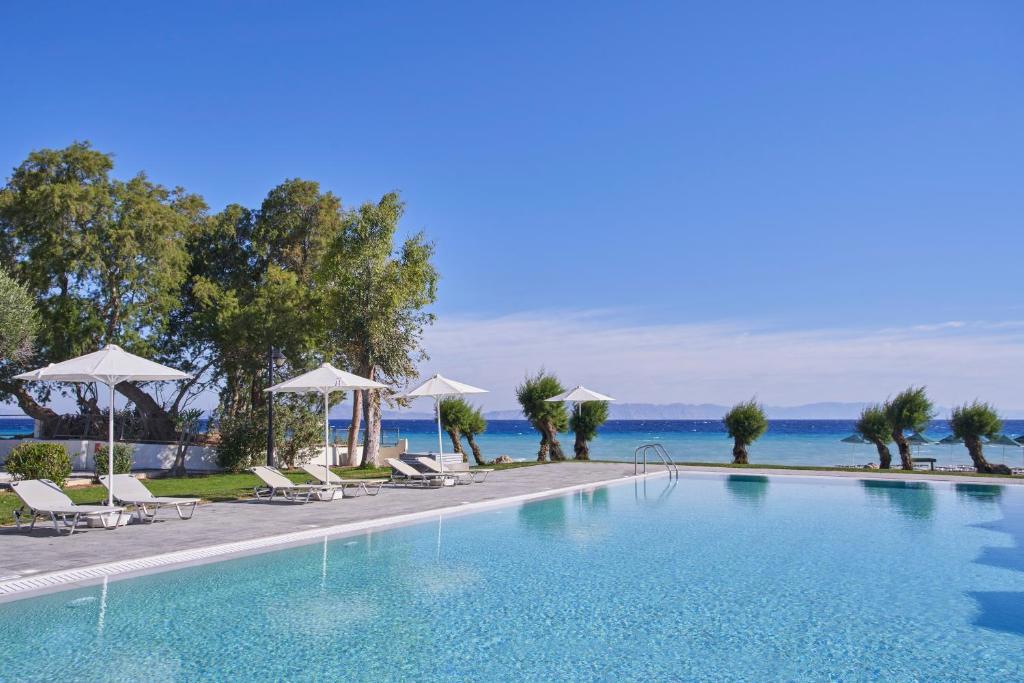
(40,461)
(122,459)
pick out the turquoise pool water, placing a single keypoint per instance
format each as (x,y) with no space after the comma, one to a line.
(713,578)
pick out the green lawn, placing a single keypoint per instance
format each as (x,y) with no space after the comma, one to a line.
(211,487)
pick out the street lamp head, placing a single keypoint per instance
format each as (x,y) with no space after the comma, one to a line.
(277,357)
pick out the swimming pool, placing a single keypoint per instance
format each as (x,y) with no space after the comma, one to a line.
(714,577)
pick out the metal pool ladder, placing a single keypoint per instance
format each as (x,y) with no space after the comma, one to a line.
(659,450)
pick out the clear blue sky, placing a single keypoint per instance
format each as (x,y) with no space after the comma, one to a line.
(790,165)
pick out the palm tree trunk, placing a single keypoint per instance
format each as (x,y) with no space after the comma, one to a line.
(477,455)
(739,453)
(906,459)
(884,456)
(353,428)
(982,465)
(581,448)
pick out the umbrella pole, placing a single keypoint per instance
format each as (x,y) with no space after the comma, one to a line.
(110,450)
(440,444)
(327,438)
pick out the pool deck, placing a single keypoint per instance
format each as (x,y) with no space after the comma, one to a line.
(42,562)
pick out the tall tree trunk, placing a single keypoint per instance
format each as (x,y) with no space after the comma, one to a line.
(542,452)
(884,456)
(906,458)
(371,444)
(477,455)
(159,423)
(353,428)
(557,454)
(982,465)
(581,448)
(739,453)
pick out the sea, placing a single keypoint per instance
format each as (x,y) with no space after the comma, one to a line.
(787,442)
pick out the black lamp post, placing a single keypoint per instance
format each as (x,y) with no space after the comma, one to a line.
(275,359)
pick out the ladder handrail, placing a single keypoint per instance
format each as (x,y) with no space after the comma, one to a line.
(659,450)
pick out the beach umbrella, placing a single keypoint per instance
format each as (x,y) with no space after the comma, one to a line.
(951,440)
(1004,441)
(853,439)
(325,380)
(111,365)
(920,439)
(439,387)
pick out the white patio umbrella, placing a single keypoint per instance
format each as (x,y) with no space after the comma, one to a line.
(440,387)
(111,365)
(325,379)
(577,396)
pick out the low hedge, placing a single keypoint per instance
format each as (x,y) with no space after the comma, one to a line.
(122,459)
(35,460)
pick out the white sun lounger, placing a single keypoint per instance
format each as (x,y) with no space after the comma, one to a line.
(325,476)
(461,476)
(43,498)
(275,483)
(130,491)
(402,473)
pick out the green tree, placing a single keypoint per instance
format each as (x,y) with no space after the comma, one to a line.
(476,424)
(585,421)
(971,422)
(454,415)
(546,417)
(376,298)
(104,260)
(745,423)
(460,419)
(911,409)
(873,425)
(18,320)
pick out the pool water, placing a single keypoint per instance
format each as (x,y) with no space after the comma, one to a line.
(712,578)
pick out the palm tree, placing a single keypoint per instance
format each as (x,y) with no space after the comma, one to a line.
(970,422)
(873,425)
(911,409)
(585,420)
(475,424)
(745,422)
(547,418)
(453,418)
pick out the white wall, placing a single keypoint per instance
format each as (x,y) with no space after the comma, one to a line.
(145,456)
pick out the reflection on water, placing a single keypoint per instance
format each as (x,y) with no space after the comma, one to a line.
(653,491)
(1002,610)
(911,499)
(978,493)
(747,488)
(545,516)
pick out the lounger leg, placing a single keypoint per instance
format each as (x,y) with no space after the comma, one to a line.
(191,512)
(56,527)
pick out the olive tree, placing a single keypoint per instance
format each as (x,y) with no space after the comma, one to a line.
(971,422)
(585,421)
(911,409)
(745,422)
(873,425)
(546,417)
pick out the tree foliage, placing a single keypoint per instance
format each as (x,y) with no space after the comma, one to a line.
(546,417)
(18,321)
(584,421)
(745,422)
(376,295)
(972,422)
(911,409)
(873,425)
